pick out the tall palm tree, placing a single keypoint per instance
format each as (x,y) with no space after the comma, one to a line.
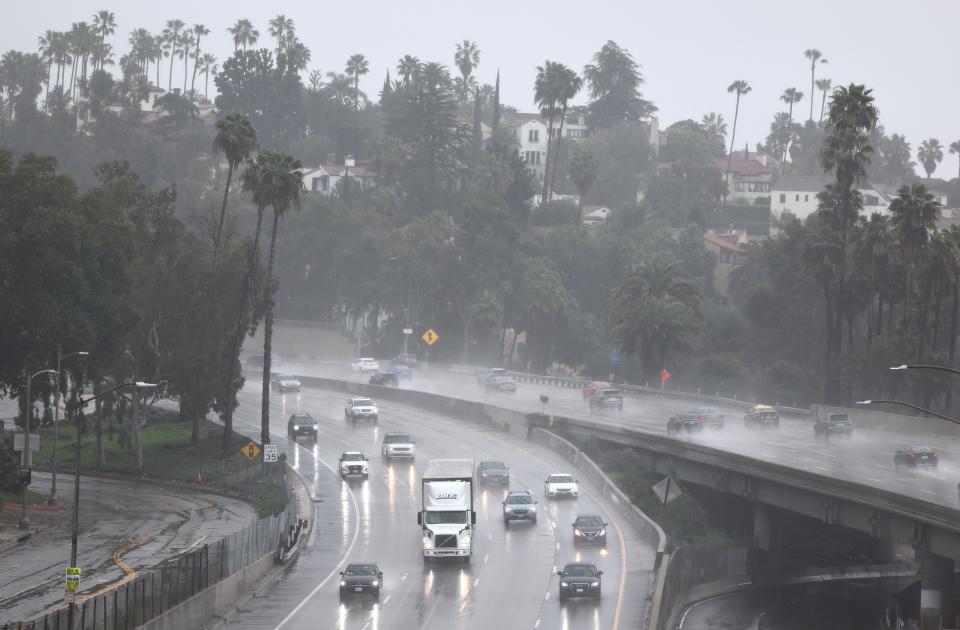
(466,58)
(199,31)
(930,154)
(279,182)
(547,91)
(740,87)
(824,86)
(814,56)
(656,313)
(47,45)
(570,85)
(408,68)
(236,139)
(104,23)
(282,29)
(186,43)
(171,42)
(357,65)
(208,64)
(955,149)
(789,96)
(243,34)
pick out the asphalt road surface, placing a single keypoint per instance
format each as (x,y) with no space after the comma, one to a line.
(866,457)
(113,514)
(510,582)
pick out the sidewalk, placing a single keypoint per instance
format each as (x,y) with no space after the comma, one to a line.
(41,517)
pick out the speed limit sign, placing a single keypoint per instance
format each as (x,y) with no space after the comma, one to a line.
(270,453)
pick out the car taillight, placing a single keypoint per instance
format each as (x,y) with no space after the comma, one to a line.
(911,455)
(701,418)
(933,454)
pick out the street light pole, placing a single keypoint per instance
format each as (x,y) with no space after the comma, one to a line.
(942,368)
(24,521)
(56,420)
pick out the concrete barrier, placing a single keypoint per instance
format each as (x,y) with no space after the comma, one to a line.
(870,418)
(695,572)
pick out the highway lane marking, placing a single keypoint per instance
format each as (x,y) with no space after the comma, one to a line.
(387,599)
(825,454)
(196,542)
(547,596)
(485,558)
(353,541)
(463,605)
(476,581)
(821,468)
(929,492)
(537,624)
(404,576)
(365,626)
(874,480)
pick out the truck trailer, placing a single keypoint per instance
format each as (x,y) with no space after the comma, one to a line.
(446,517)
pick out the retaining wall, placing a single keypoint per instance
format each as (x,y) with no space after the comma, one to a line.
(695,572)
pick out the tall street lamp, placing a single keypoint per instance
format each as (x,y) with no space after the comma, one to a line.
(81,422)
(909,406)
(942,368)
(56,419)
(24,521)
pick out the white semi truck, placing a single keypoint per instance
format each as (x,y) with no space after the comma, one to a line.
(446,517)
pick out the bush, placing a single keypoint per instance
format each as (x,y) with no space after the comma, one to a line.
(555,213)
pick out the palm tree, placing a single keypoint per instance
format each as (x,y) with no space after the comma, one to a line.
(279,184)
(930,154)
(282,29)
(584,170)
(208,64)
(955,149)
(547,91)
(814,56)
(199,30)
(570,85)
(186,43)
(716,126)
(466,58)
(656,313)
(357,65)
(243,34)
(824,86)
(789,96)
(740,87)
(47,43)
(236,139)
(171,41)
(105,24)
(408,68)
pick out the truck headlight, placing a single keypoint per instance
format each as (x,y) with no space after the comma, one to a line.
(427,542)
(594,583)
(564,584)
(343,582)
(375,583)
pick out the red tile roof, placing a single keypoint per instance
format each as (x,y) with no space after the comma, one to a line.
(739,166)
(727,242)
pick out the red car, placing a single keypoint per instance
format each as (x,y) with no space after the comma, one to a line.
(593,388)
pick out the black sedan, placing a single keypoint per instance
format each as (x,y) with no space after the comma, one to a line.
(589,529)
(361,578)
(386,378)
(916,456)
(493,472)
(580,580)
(302,424)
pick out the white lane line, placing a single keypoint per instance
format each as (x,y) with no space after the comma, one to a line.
(875,480)
(547,596)
(828,455)
(821,468)
(463,605)
(485,558)
(353,541)
(929,492)
(365,626)
(197,542)
(558,546)
(537,625)
(476,581)
(387,599)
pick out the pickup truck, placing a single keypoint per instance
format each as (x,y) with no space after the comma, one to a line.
(833,424)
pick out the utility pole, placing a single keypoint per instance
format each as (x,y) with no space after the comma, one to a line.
(56,419)
(24,521)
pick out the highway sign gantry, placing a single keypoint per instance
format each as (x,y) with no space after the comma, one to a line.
(430,336)
(251,450)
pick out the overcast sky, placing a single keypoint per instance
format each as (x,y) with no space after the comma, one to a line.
(690,49)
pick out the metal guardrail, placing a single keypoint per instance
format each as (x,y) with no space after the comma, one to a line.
(154,591)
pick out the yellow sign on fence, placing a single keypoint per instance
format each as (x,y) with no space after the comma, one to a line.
(430,336)
(251,450)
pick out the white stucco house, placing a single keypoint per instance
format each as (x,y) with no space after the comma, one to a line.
(797,195)
(531,130)
(324,178)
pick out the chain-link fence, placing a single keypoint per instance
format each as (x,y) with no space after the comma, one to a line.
(155,591)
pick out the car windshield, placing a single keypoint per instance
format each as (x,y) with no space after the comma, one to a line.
(560,479)
(609,392)
(352,457)
(457,517)
(286,377)
(705,410)
(398,438)
(492,466)
(579,570)
(588,521)
(362,402)
(361,569)
(919,449)
(303,420)
(520,499)
(767,414)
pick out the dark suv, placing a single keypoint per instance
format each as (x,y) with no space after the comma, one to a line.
(301,424)
(580,580)
(385,378)
(833,424)
(606,399)
(519,506)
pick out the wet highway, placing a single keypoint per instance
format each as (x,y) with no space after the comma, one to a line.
(511,581)
(165,521)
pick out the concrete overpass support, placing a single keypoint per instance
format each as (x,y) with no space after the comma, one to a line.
(768,532)
(936,589)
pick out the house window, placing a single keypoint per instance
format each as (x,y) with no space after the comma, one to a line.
(806,197)
(315,184)
(533,135)
(320,184)
(783,198)
(798,196)
(531,157)
(871,200)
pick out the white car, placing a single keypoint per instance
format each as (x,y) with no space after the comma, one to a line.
(359,408)
(398,446)
(561,485)
(354,463)
(365,365)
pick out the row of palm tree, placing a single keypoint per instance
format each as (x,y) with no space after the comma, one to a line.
(274,180)
(554,87)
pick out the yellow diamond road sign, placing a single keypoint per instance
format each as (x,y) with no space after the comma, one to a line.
(430,336)
(251,450)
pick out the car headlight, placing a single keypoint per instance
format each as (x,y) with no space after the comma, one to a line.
(343,582)
(564,584)
(577,532)
(594,583)
(375,583)
(603,532)
(427,542)
(508,508)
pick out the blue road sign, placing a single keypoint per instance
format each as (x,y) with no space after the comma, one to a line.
(615,357)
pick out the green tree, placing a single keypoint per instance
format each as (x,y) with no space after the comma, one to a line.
(955,149)
(282,29)
(789,96)
(930,155)
(357,65)
(657,314)
(466,58)
(584,170)
(824,86)
(172,35)
(740,87)
(547,90)
(570,85)
(814,56)
(614,79)
(236,140)
(244,35)
(199,32)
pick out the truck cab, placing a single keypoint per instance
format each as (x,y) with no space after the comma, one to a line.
(447,518)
